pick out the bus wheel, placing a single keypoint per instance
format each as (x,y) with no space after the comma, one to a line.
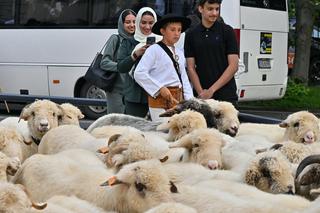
(91,91)
(314,73)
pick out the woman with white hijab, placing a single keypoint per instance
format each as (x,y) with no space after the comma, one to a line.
(129,54)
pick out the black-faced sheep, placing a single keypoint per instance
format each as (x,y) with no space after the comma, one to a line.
(270,172)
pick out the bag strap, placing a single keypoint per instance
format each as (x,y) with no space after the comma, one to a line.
(175,63)
(117,45)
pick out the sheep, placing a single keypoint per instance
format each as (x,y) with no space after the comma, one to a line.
(218,114)
(68,137)
(270,172)
(182,124)
(300,127)
(11,142)
(8,166)
(308,176)
(135,188)
(237,153)
(204,147)
(14,199)
(247,192)
(124,120)
(71,204)
(109,130)
(71,114)
(171,208)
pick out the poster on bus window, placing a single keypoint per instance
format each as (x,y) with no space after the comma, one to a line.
(265,43)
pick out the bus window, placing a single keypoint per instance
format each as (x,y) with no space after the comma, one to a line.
(266,4)
(51,13)
(7,12)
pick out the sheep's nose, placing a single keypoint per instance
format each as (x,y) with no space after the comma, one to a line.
(44,124)
(213,164)
(290,190)
(234,128)
(309,137)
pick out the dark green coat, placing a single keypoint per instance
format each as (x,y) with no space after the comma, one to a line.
(132,91)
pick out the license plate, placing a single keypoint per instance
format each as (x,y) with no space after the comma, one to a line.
(264,63)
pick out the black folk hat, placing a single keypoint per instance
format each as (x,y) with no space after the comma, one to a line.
(171,18)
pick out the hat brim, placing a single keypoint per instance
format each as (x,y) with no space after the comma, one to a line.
(185,22)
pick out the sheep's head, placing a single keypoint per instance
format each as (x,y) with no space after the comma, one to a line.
(271,172)
(197,105)
(127,148)
(14,198)
(204,147)
(226,116)
(71,114)
(182,124)
(144,185)
(301,127)
(42,115)
(10,140)
(308,176)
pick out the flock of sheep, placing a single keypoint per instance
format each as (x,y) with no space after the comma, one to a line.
(202,159)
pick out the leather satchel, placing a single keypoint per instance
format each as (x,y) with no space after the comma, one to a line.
(101,78)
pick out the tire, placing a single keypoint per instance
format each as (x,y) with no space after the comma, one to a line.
(314,71)
(91,91)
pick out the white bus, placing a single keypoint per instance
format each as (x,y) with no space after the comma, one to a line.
(46,46)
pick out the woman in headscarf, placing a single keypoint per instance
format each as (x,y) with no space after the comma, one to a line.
(130,52)
(126,28)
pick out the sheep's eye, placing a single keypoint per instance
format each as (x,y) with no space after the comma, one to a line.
(218,115)
(195,145)
(266,173)
(184,127)
(33,114)
(54,114)
(68,116)
(140,187)
(296,124)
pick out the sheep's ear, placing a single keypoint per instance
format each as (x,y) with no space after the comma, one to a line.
(173,187)
(276,146)
(284,124)
(38,206)
(60,112)
(185,142)
(25,113)
(164,159)
(252,175)
(258,151)
(80,115)
(164,126)
(113,138)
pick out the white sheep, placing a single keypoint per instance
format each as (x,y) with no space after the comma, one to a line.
(71,114)
(14,199)
(171,208)
(300,127)
(135,188)
(11,142)
(68,137)
(182,124)
(8,166)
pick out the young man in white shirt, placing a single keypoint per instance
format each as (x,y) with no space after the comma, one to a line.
(161,71)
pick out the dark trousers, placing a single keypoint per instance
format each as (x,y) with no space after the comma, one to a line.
(136,109)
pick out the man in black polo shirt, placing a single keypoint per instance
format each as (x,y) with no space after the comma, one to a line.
(212,55)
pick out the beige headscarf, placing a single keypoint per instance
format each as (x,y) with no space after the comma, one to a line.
(138,35)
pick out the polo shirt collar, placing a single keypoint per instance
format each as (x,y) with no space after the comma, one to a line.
(203,28)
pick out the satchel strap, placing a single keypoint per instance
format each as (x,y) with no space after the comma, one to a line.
(175,63)
(117,46)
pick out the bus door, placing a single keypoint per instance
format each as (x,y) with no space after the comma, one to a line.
(263,42)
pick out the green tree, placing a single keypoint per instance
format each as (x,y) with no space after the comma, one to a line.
(306,12)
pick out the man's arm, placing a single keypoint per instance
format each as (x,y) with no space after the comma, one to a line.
(227,75)
(193,76)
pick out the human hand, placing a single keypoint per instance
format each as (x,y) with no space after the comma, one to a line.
(139,52)
(166,94)
(206,94)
